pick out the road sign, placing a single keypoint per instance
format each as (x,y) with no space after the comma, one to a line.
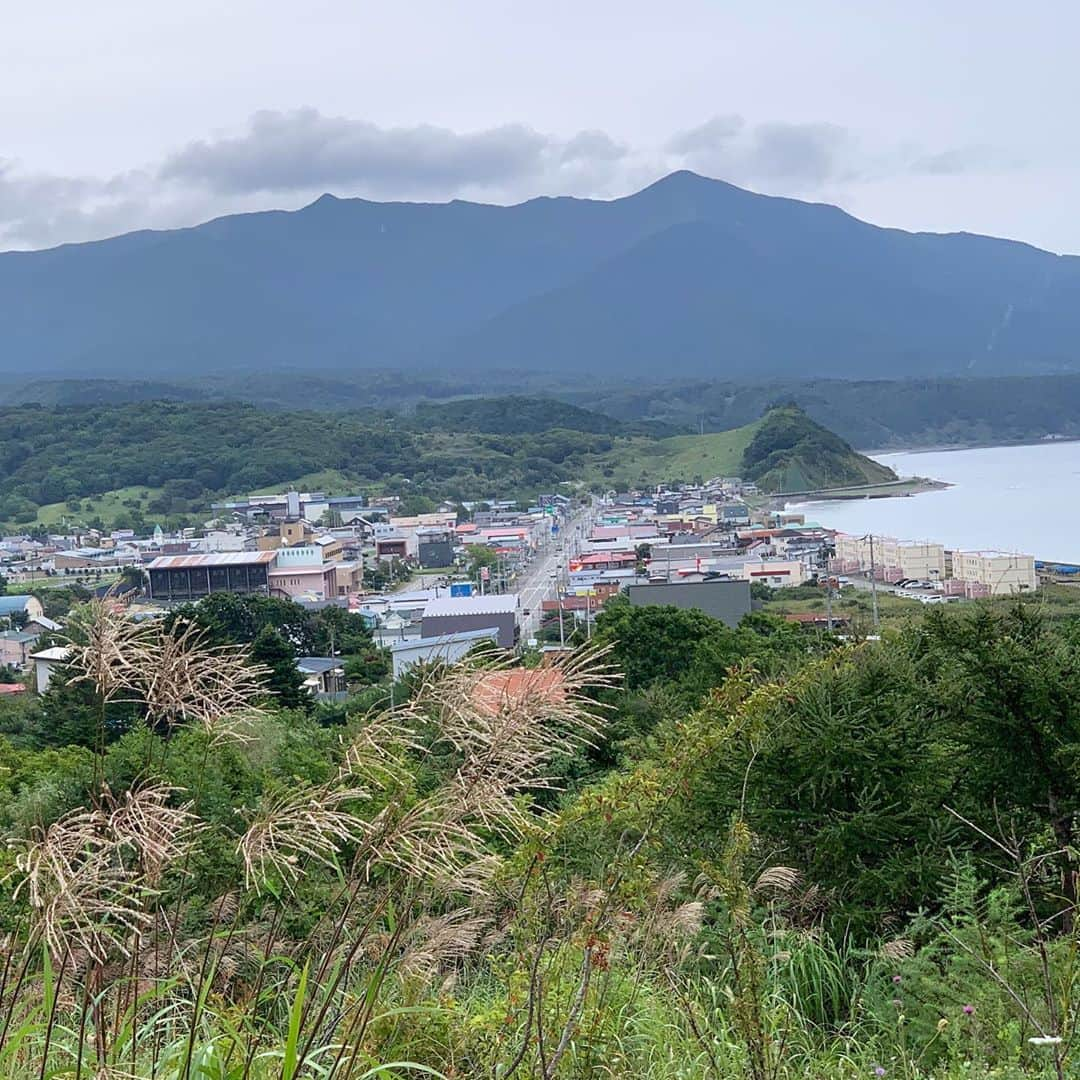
(461,589)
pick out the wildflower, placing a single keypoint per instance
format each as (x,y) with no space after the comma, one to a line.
(968,1010)
(879,1070)
(896,979)
(942,1024)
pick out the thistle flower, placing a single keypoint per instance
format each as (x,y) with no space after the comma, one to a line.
(968,1010)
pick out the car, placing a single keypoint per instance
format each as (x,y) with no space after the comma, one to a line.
(526,611)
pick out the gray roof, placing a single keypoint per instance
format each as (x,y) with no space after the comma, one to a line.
(316,665)
(498,604)
(9,604)
(489,632)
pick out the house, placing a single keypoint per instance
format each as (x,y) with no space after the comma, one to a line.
(451,615)
(448,649)
(189,577)
(324,676)
(45,664)
(39,624)
(16,606)
(15,646)
(725,600)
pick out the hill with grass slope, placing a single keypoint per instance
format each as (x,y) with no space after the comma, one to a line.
(782,451)
(787,451)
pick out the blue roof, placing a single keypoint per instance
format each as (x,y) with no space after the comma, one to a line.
(10,604)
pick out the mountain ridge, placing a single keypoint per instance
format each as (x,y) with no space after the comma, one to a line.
(691,276)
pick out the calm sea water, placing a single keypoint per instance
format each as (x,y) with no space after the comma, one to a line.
(1012,498)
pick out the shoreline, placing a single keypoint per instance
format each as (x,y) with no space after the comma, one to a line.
(949,448)
(903,488)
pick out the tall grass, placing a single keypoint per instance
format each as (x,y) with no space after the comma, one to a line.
(418,913)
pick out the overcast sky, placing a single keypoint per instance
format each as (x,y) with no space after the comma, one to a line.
(926,115)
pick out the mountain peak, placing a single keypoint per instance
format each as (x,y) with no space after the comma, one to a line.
(691,277)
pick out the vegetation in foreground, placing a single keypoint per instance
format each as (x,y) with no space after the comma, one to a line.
(686,851)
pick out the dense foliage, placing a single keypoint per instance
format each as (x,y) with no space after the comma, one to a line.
(776,855)
(174,457)
(790,452)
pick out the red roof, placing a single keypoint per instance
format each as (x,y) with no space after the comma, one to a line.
(602,557)
(12,688)
(514,687)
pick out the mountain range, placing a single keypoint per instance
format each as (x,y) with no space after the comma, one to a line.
(690,277)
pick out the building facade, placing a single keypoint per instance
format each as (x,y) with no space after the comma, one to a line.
(190,577)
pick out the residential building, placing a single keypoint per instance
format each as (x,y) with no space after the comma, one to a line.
(892,559)
(15,647)
(1000,573)
(20,605)
(189,577)
(434,546)
(324,676)
(451,615)
(46,663)
(447,649)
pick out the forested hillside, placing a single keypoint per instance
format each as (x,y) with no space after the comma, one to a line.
(129,465)
(690,277)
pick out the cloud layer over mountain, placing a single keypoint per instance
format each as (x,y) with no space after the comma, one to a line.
(286,158)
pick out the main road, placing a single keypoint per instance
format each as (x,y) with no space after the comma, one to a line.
(538,582)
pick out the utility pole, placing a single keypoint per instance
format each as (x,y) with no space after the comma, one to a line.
(558,596)
(828,601)
(873,584)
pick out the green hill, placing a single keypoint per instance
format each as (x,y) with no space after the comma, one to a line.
(788,451)
(783,451)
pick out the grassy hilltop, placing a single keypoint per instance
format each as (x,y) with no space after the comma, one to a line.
(783,451)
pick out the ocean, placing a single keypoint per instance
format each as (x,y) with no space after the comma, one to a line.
(1020,499)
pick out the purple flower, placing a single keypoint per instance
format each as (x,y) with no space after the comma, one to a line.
(968,1010)
(896,979)
(879,1070)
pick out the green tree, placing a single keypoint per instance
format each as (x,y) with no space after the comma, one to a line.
(271,649)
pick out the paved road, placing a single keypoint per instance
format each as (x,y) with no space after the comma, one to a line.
(537,583)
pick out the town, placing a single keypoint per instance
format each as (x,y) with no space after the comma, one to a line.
(432,586)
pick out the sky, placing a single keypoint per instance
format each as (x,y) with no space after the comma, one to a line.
(123,115)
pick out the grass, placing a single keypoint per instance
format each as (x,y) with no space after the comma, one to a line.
(328,481)
(855,605)
(106,506)
(679,458)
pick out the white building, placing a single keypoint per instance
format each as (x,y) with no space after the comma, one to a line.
(918,560)
(1002,573)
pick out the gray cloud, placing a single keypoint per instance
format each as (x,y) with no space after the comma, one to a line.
(284,159)
(964,159)
(803,155)
(302,149)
